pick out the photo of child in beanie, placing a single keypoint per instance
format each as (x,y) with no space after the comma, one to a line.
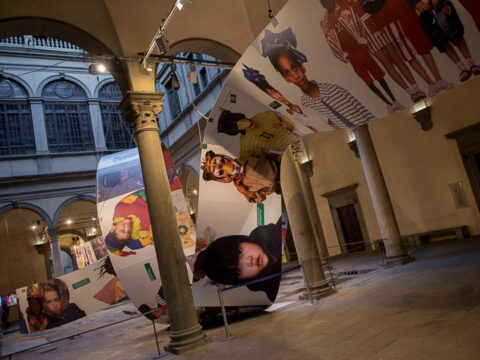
(236,259)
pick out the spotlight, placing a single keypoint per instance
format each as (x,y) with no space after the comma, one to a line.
(69,222)
(94,218)
(174,79)
(192,75)
(149,68)
(33,227)
(180,4)
(97,69)
(162,43)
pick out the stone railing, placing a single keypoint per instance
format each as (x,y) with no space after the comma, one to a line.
(29,41)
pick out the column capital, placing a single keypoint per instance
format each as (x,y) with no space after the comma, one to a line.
(141,109)
(53,233)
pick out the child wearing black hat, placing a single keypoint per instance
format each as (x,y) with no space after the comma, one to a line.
(236,259)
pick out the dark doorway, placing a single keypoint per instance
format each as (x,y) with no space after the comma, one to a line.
(468,141)
(352,233)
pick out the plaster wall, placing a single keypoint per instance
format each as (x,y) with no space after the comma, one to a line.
(417,166)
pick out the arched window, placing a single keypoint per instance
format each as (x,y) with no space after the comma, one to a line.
(67,118)
(16,128)
(118,133)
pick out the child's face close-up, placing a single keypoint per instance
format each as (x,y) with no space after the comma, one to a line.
(251,261)
(222,166)
(123,229)
(51,302)
(292,71)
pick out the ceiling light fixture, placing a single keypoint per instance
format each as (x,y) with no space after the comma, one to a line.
(69,221)
(160,34)
(192,75)
(97,69)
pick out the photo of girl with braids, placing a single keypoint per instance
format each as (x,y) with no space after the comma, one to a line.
(260,81)
(236,259)
(333,102)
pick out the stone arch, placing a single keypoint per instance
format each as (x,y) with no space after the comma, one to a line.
(40,26)
(45,82)
(100,85)
(39,211)
(20,81)
(72,231)
(205,46)
(186,168)
(68,202)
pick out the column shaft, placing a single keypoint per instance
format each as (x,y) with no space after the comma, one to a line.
(381,200)
(185,331)
(39,129)
(97,126)
(302,230)
(56,253)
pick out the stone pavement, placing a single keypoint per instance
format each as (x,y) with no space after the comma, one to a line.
(428,309)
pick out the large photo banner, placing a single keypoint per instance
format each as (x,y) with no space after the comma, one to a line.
(326,65)
(70,297)
(125,222)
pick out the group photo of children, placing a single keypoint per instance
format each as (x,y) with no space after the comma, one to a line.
(324,65)
(346,62)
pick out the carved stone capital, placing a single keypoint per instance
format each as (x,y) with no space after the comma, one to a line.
(141,109)
(52,234)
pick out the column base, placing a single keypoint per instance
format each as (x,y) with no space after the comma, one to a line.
(184,340)
(402,259)
(317,291)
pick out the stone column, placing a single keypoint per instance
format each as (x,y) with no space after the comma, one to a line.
(39,129)
(141,109)
(302,228)
(97,127)
(395,253)
(56,253)
(305,172)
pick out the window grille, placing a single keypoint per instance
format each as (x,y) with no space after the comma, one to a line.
(16,128)
(118,132)
(67,117)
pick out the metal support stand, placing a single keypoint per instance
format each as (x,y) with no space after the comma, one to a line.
(160,355)
(224,314)
(330,271)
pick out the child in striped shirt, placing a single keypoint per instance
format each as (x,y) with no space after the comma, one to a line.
(336,104)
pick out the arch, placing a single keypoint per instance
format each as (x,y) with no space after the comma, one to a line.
(40,26)
(72,231)
(70,201)
(186,168)
(205,46)
(39,211)
(101,84)
(20,81)
(48,80)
